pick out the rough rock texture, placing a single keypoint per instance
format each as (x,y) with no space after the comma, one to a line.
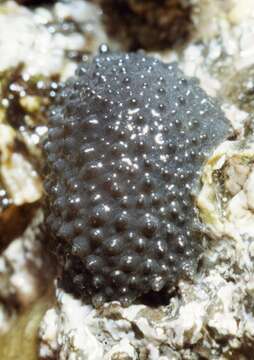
(211,318)
(22,270)
(125,146)
(20,188)
(48,41)
(147,24)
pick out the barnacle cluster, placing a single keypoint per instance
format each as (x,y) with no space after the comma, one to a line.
(147,24)
(125,144)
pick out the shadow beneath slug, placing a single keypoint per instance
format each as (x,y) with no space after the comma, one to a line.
(151,299)
(154,299)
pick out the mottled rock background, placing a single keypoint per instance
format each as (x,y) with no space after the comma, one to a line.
(209,318)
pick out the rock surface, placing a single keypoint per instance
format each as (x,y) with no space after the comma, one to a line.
(212,317)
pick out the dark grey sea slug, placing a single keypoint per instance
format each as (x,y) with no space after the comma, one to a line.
(126,142)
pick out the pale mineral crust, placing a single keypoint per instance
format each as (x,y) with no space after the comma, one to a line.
(211,318)
(22,272)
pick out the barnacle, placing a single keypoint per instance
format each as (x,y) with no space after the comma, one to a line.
(126,141)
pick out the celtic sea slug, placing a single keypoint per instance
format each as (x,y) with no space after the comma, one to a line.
(127,139)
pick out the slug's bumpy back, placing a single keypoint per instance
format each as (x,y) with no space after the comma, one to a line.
(126,142)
